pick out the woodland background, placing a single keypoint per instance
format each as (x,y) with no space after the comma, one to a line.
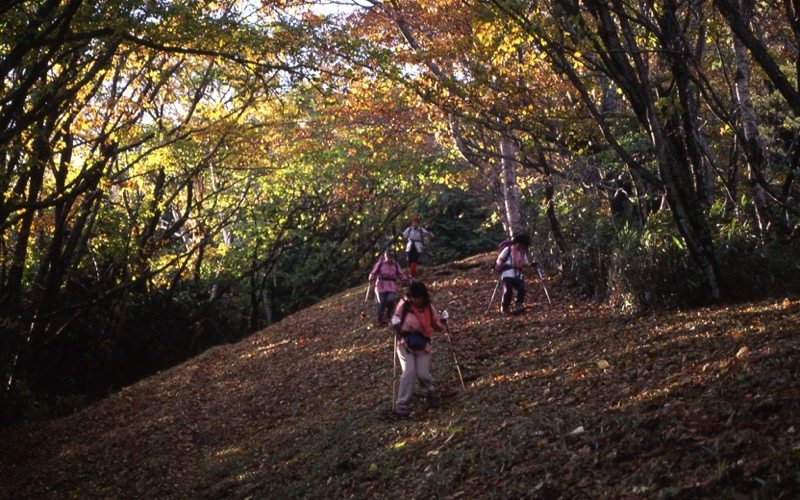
(180,174)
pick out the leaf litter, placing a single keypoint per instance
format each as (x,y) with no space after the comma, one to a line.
(569,399)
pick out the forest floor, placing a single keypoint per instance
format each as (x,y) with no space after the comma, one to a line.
(569,400)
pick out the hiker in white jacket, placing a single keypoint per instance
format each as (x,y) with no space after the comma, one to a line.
(414,236)
(510,263)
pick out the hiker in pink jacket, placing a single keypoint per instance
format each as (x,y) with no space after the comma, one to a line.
(414,320)
(386,272)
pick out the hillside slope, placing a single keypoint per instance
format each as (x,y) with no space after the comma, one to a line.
(568,400)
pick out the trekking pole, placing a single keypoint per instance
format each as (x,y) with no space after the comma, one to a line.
(394,369)
(541,279)
(489,306)
(395,328)
(445,315)
(366,297)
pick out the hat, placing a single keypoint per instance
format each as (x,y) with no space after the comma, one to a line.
(415,218)
(390,251)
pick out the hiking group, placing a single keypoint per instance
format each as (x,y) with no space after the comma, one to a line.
(414,318)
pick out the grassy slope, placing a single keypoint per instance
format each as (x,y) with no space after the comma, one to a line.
(691,404)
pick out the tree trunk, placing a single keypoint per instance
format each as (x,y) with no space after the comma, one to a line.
(508,151)
(753,147)
(549,192)
(483,165)
(627,67)
(739,24)
(688,214)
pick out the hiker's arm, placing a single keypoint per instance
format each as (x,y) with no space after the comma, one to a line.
(498,266)
(501,258)
(398,310)
(374,273)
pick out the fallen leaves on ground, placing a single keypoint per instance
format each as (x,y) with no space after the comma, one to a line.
(569,399)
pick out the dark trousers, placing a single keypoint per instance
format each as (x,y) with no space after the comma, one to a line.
(413,255)
(509,285)
(385,304)
(413,260)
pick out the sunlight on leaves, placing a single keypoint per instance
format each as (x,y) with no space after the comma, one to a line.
(263,350)
(228,451)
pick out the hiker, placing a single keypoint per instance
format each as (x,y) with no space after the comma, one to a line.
(414,319)
(386,272)
(414,235)
(510,262)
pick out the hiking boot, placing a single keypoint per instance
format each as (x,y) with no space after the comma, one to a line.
(401,412)
(518,309)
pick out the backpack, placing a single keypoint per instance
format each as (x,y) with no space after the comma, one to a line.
(414,340)
(502,246)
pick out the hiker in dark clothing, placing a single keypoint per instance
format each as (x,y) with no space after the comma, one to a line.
(510,262)
(414,235)
(415,319)
(386,272)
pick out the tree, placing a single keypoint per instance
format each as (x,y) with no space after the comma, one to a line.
(112,117)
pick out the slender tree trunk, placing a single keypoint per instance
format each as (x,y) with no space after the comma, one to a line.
(739,24)
(256,287)
(753,148)
(489,171)
(704,172)
(549,193)
(11,297)
(688,214)
(508,152)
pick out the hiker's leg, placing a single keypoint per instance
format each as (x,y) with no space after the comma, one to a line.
(406,388)
(413,258)
(379,306)
(508,289)
(521,293)
(423,365)
(391,297)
